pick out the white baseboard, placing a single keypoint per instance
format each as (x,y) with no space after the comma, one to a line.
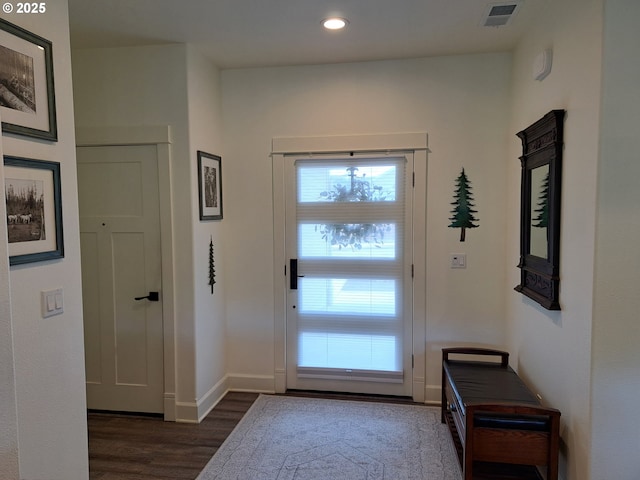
(169,407)
(280,380)
(212,397)
(252,383)
(433,394)
(418,390)
(195,412)
(186,412)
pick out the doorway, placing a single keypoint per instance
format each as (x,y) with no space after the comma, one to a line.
(125,205)
(349,309)
(393,144)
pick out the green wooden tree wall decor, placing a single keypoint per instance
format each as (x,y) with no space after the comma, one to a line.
(463,206)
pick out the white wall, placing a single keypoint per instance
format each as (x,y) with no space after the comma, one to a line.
(616,330)
(48,353)
(205,134)
(462,102)
(552,350)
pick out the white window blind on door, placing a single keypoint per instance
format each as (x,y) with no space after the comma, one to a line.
(350,217)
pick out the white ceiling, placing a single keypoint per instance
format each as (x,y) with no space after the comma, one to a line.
(251,33)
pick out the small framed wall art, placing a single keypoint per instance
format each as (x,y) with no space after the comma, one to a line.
(34,210)
(210,186)
(27,98)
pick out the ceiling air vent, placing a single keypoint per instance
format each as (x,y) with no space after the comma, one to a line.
(500,14)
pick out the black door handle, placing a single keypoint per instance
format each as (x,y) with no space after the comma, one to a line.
(152,297)
(293,274)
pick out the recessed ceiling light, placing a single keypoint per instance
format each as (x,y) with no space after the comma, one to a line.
(335,23)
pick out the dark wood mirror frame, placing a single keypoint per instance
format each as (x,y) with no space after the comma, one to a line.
(542,145)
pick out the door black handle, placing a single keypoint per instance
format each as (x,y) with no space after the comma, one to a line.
(293,274)
(152,297)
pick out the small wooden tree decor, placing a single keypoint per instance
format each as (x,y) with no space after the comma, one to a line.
(212,269)
(463,206)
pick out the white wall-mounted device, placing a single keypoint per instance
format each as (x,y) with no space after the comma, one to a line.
(542,64)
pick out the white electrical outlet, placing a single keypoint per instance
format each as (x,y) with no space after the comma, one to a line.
(458,260)
(52,302)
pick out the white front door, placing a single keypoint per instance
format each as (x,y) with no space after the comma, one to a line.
(348,245)
(121,270)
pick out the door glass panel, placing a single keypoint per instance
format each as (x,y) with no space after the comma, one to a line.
(350,234)
(346,182)
(347,240)
(353,296)
(348,351)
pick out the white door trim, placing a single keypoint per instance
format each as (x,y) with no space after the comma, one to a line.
(387,142)
(416,142)
(160,136)
(9,441)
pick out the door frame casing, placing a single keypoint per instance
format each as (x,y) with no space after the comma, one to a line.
(160,137)
(417,143)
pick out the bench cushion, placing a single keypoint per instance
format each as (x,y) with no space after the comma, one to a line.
(485,382)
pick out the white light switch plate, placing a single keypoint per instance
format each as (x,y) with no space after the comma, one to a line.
(52,302)
(458,260)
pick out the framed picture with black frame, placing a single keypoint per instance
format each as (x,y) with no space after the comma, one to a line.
(27,94)
(34,210)
(210,186)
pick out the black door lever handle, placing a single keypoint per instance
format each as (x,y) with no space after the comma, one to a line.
(152,297)
(293,274)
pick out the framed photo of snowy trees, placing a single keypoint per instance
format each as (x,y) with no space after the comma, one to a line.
(541,182)
(27,98)
(34,210)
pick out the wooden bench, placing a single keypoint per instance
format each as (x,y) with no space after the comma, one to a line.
(496,422)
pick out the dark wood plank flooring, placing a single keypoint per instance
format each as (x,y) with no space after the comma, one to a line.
(130,447)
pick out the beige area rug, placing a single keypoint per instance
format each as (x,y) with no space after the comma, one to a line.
(291,438)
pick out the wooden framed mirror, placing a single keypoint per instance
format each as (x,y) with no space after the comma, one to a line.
(541,182)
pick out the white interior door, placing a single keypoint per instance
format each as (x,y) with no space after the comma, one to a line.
(121,267)
(348,243)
